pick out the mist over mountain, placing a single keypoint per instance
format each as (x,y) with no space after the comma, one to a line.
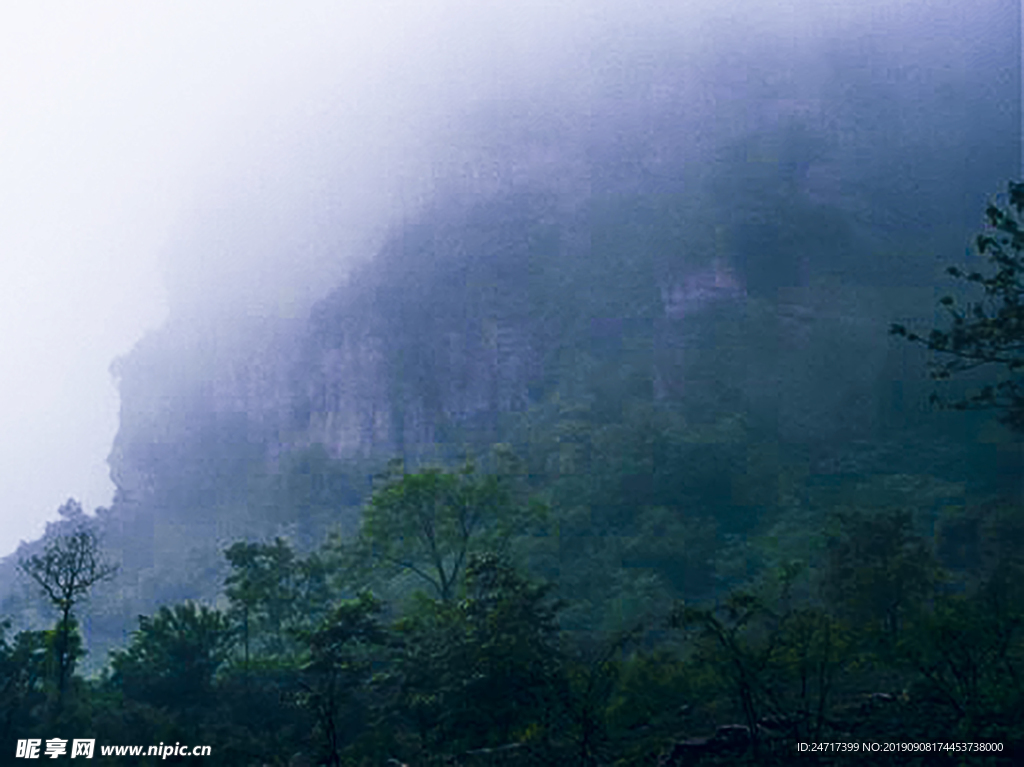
(657,258)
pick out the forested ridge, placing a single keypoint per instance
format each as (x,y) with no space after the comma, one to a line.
(620,450)
(468,622)
(572,596)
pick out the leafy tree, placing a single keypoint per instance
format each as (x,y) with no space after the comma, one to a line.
(22,680)
(257,715)
(340,663)
(968,652)
(650,702)
(173,657)
(512,633)
(429,669)
(812,647)
(486,670)
(969,649)
(593,668)
(777,661)
(878,570)
(428,523)
(271,590)
(68,568)
(989,331)
(740,656)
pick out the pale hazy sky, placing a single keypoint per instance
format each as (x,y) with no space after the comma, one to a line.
(118,121)
(111,115)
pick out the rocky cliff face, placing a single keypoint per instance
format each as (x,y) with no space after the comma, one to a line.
(396,361)
(185,390)
(715,255)
(362,395)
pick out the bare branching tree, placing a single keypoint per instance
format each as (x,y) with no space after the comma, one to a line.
(68,568)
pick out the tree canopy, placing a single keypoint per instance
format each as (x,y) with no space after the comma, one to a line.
(429,522)
(988,331)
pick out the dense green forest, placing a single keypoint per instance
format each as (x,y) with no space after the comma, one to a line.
(604,589)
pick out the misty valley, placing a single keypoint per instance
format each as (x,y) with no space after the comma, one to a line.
(676,421)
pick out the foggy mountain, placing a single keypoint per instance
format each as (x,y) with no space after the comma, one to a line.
(712,228)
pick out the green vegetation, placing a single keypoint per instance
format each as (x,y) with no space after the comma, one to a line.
(428,524)
(880,636)
(989,331)
(629,574)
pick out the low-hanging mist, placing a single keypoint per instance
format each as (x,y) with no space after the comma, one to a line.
(656,255)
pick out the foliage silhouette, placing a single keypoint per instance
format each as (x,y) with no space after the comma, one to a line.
(989,331)
(68,568)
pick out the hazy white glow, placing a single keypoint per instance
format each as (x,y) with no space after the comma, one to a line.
(119,121)
(110,113)
(137,139)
